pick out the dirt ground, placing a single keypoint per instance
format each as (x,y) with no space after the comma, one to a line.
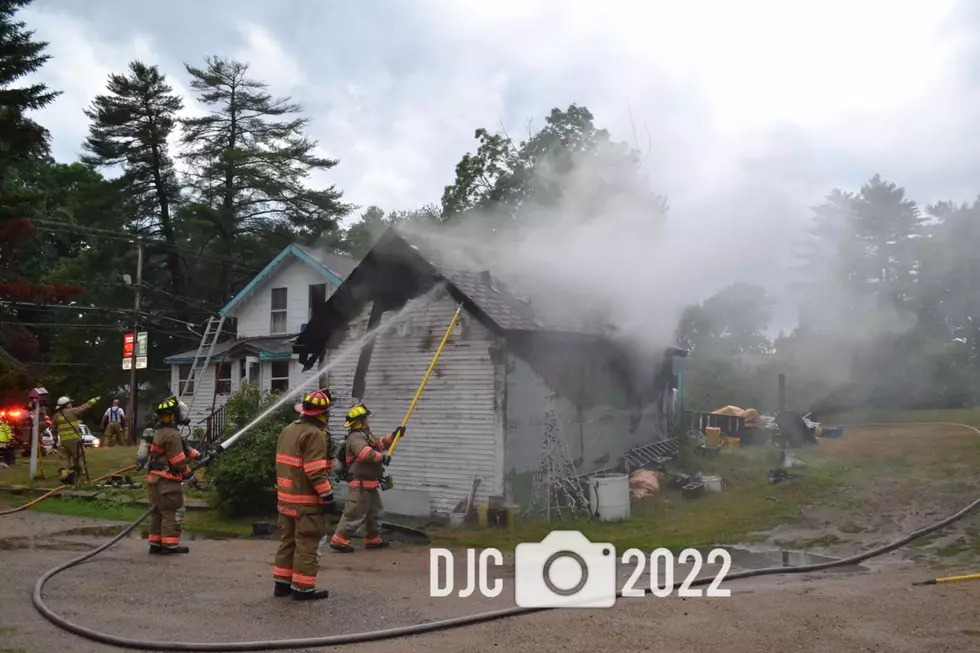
(222,591)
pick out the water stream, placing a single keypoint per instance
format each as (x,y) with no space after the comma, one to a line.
(343,354)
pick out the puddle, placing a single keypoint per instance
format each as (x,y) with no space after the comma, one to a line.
(27,544)
(743,558)
(112,531)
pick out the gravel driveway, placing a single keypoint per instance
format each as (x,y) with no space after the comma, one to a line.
(222,591)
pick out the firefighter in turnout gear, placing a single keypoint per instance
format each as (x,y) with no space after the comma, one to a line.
(7,453)
(305,497)
(168,467)
(66,419)
(366,459)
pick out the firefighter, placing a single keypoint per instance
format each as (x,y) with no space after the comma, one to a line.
(305,497)
(366,459)
(66,419)
(168,468)
(7,453)
(114,425)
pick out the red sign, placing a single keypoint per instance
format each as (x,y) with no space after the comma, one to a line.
(129,342)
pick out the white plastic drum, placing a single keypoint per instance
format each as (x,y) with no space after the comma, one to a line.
(609,497)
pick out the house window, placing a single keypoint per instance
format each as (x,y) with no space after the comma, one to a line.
(318,296)
(279,379)
(183,373)
(222,378)
(278,310)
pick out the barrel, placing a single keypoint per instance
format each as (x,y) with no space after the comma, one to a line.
(609,497)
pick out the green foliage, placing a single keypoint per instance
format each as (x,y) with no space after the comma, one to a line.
(569,162)
(251,165)
(245,475)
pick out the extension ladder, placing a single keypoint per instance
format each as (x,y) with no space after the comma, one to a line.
(201,360)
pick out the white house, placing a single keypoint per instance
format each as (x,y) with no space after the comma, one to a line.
(269,312)
(483,412)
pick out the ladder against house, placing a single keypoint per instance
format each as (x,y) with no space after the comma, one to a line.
(202,359)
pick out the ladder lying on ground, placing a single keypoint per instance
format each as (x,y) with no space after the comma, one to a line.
(201,359)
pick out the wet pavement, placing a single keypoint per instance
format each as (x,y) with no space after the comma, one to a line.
(222,591)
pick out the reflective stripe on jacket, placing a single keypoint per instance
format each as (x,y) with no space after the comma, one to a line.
(66,421)
(302,469)
(168,460)
(364,457)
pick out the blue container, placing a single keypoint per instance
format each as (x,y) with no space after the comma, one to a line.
(833,431)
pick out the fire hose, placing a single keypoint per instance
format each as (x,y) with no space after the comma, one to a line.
(416,629)
(54,491)
(432,626)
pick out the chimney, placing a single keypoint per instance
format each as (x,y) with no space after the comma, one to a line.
(488,280)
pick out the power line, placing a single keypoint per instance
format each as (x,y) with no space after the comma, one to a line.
(68,227)
(111,309)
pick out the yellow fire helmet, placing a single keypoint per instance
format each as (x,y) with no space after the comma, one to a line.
(357,414)
(168,405)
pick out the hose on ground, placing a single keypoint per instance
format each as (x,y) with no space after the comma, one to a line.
(54,491)
(432,626)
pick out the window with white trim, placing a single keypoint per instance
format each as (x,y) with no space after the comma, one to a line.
(279,377)
(278,320)
(183,373)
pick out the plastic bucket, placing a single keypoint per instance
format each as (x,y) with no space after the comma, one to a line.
(712,483)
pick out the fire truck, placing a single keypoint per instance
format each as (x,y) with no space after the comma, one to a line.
(21,421)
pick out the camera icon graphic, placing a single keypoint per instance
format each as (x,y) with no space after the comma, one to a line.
(565,570)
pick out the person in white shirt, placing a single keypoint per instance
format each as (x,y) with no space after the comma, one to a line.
(113,425)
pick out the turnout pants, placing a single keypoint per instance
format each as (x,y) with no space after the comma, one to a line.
(71,457)
(165,523)
(114,434)
(363,506)
(297,561)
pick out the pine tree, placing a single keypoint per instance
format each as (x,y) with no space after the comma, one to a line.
(250,161)
(130,127)
(20,55)
(23,159)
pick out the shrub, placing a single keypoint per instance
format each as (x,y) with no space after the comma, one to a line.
(244,477)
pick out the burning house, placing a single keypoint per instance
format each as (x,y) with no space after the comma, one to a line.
(482,412)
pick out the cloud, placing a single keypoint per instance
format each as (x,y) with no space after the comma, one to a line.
(750,111)
(266,58)
(79,68)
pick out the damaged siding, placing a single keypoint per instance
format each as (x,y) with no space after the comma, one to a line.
(456,429)
(596,436)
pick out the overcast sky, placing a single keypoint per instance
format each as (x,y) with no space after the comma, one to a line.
(754,109)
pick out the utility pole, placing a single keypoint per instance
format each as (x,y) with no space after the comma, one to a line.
(138,289)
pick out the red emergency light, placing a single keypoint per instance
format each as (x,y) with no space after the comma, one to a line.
(12,413)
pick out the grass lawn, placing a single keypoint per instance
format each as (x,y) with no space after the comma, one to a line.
(100,461)
(859,478)
(889,465)
(200,521)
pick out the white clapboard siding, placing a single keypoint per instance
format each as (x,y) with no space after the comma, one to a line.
(202,406)
(254,315)
(452,433)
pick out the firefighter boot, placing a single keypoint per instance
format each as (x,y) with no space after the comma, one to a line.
(170,550)
(341,548)
(310,595)
(156,549)
(377,544)
(283,589)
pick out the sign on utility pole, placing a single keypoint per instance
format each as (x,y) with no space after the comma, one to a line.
(142,349)
(141,352)
(128,348)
